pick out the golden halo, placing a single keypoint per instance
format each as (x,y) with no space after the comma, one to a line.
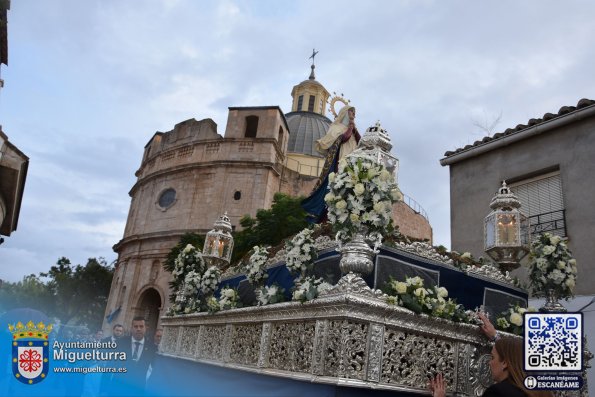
(334,100)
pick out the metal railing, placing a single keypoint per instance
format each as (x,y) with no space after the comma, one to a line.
(414,205)
(552,222)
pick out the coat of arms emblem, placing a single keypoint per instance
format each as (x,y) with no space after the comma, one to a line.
(30,351)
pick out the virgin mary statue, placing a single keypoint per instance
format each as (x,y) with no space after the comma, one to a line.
(340,140)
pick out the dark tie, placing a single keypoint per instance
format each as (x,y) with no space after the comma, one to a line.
(136,351)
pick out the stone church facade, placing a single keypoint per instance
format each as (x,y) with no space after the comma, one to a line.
(191,175)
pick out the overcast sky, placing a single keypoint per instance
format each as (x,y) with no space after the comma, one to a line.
(89,82)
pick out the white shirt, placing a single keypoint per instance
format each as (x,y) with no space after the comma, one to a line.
(140,347)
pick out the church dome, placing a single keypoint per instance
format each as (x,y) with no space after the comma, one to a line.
(305,128)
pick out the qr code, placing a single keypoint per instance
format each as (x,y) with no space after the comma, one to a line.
(553,341)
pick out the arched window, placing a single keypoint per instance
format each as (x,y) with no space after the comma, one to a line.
(251,126)
(311,103)
(300,103)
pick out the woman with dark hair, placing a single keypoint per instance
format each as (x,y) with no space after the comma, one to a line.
(506,366)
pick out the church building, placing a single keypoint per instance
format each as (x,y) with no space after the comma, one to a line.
(191,175)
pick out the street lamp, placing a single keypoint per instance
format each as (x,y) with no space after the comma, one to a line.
(506,230)
(219,242)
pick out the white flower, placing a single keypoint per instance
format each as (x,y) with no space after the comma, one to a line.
(541,264)
(331,177)
(188,248)
(516,319)
(548,249)
(341,205)
(442,292)
(572,262)
(466,255)
(400,287)
(555,239)
(570,282)
(384,175)
(329,197)
(421,292)
(354,218)
(561,265)
(359,189)
(379,206)
(557,276)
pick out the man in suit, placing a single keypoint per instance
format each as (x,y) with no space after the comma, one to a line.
(140,352)
(117,332)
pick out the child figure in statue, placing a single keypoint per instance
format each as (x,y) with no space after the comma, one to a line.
(340,140)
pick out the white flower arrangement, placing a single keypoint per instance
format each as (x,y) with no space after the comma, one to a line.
(213,305)
(256,269)
(193,280)
(210,280)
(189,259)
(412,295)
(229,299)
(301,252)
(308,288)
(360,196)
(511,320)
(269,295)
(551,267)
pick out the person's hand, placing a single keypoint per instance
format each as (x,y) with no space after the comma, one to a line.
(437,386)
(487,327)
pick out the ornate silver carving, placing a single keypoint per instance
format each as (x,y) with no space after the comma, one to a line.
(213,342)
(356,256)
(408,359)
(489,270)
(353,284)
(169,341)
(189,341)
(325,242)
(265,345)
(347,336)
(318,351)
(245,344)
(292,347)
(375,352)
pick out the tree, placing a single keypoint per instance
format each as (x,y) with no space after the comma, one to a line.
(79,293)
(31,292)
(285,218)
(73,294)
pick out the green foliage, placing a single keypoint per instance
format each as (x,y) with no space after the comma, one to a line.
(31,292)
(285,218)
(73,294)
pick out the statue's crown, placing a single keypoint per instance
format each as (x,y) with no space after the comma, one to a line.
(30,330)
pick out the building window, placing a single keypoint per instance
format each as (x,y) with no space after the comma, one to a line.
(251,126)
(300,103)
(311,103)
(167,198)
(237,195)
(542,201)
(280,138)
(321,108)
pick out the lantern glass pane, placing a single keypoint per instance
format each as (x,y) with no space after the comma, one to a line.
(508,229)
(490,236)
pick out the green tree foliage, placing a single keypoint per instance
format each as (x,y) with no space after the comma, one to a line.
(285,218)
(73,294)
(31,292)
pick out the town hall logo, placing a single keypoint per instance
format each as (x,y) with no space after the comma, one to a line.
(30,351)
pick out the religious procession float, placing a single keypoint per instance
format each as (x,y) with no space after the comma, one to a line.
(349,307)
